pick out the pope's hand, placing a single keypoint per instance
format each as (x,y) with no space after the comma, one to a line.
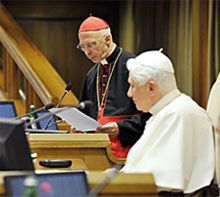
(218,128)
(218,125)
(111,128)
(110,170)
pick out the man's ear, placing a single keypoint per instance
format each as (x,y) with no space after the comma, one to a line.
(108,39)
(152,87)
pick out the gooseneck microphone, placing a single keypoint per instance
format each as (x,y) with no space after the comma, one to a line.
(67,89)
(109,176)
(46,107)
(82,105)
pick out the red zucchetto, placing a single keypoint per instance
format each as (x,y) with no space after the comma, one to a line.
(93,23)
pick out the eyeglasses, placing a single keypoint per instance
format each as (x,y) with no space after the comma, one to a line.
(90,45)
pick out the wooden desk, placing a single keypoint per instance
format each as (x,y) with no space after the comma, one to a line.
(77,164)
(64,126)
(121,185)
(93,149)
(125,184)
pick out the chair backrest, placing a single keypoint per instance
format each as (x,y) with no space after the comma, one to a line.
(213,109)
(7,109)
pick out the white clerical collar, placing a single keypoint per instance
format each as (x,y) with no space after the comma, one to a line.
(104,61)
(165,100)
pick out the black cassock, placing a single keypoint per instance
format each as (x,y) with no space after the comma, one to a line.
(116,102)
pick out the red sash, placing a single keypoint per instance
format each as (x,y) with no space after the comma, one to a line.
(117,149)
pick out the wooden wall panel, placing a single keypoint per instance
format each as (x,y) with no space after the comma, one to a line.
(53,25)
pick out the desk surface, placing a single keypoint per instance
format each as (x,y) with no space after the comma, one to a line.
(123,184)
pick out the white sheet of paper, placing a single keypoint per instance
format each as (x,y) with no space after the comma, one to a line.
(77,119)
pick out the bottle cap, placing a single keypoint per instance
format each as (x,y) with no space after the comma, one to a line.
(32,108)
(30,181)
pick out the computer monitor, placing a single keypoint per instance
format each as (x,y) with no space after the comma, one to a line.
(15,153)
(42,124)
(73,183)
(7,109)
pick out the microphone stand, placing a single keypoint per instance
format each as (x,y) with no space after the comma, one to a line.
(46,107)
(94,192)
(67,89)
(47,115)
(81,105)
(55,123)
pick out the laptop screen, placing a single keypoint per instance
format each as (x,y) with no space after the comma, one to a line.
(73,183)
(7,109)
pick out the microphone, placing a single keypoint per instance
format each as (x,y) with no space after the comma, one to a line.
(46,107)
(97,189)
(82,105)
(67,89)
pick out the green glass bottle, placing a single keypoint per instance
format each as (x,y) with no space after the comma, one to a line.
(31,116)
(30,186)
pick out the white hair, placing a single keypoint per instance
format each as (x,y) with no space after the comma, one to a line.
(142,74)
(105,32)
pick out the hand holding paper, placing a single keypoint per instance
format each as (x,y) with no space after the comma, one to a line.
(111,128)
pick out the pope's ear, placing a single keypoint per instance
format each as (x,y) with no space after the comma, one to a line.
(153,87)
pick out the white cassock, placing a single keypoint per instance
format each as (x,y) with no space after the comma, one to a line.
(177,146)
(213,109)
(213,106)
